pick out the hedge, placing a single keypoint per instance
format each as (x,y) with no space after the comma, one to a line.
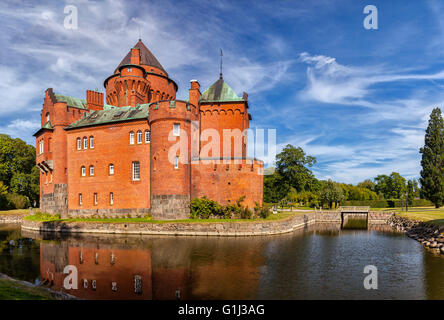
(391,203)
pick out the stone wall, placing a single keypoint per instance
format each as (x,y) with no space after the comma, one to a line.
(11,218)
(170,207)
(56,202)
(235,228)
(175,228)
(110,213)
(379,217)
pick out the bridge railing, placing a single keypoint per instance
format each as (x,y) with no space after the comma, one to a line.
(354,209)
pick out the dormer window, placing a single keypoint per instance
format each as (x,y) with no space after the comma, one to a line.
(129,69)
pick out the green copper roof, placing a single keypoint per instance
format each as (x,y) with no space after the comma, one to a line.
(71,101)
(219,91)
(112,114)
(48,125)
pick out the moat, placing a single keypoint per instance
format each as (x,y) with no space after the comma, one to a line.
(321,261)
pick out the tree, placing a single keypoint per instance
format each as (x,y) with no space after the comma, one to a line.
(432,162)
(331,193)
(397,185)
(410,192)
(368,184)
(275,188)
(291,164)
(382,185)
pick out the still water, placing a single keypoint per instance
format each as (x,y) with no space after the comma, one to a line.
(320,262)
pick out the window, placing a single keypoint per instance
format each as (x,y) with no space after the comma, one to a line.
(47,116)
(85,143)
(91,170)
(80,199)
(111,198)
(147,136)
(136,170)
(176,129)
(176,162)
(83,171)
(79,143)
(91,142)
(131,137)
(139,136)
(129,69)
(111,169)
(41,147)
(95,199)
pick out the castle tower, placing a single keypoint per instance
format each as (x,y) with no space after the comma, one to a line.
(139,78)
(170,123)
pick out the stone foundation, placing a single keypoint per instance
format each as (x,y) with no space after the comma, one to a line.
(56,202)
(109,213)
(170,207)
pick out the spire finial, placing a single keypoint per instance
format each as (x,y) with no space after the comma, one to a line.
(140,36)
(221,55)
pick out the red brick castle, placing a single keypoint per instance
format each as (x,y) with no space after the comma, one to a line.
(143,151)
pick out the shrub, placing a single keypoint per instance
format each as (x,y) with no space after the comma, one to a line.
(17,201)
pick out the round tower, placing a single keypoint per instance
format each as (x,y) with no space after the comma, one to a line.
(170,123)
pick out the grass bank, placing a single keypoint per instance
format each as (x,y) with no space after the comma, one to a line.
(17,290)
(14,212)
(43,217)
(426,214)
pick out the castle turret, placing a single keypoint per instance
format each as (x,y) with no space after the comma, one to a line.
(139,78)
(170,123)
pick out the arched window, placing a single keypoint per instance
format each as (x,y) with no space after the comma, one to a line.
(47,116)
(147,136)
(83,171)
(111,169)
(91,142)
(91,170)
(85,143)
(131,137)
(79,143)
(139,136)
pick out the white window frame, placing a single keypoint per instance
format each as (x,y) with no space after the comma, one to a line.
(96,200)
(176,162)
(91,170)
(79,143)
(136,174)
(111,169)
(91,142)
(47,116)
(147,136)
(176,129)
(111,198)
(83,171)
(131,137)
(139,136)
(85,143)
(80,199)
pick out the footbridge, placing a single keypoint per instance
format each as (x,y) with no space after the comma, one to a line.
(353,212)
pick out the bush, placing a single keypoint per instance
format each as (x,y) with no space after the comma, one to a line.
(391,203)
(261,211)
(17,201)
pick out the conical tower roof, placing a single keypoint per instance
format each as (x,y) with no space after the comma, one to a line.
(146,57)
(219,91)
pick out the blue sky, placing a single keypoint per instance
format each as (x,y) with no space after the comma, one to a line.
(358,100)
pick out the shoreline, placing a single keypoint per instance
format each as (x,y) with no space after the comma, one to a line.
(224,229)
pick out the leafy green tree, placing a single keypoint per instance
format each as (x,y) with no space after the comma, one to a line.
(368,184)
(275,188)
(383,185)
(410,192)
(397,185)
(331,193)
(432,173)
(291,164)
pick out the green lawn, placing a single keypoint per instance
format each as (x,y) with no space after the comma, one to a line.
(14,212)
(47,217)
(427,214)
(14,290)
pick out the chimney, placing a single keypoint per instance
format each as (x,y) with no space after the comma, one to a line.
(194,93)
(94,100)
(135,56)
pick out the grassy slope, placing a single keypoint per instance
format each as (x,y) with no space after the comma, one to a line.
(14,290)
